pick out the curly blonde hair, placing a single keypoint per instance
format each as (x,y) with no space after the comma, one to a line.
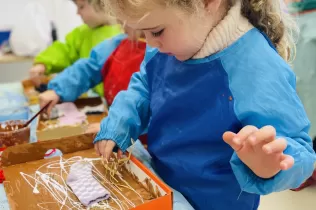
(266,15)
(280,27)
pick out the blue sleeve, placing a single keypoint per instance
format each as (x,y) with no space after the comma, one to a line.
(85,73)
(264,94)
(129,114)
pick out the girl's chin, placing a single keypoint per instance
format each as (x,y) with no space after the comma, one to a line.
(181,57)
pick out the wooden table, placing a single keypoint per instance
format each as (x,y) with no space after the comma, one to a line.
(14,68)
(11,58)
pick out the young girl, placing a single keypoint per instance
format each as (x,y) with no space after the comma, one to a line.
(217,72)
(78,43)
(113,61)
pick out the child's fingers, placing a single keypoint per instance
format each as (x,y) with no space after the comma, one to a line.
(101,147)
(245,133)
(228,137)
(287,162)
(266,134)
(119,154)
(96,148)
(36,81)
(278,145)
(108,149)
(43,103)
(49,108)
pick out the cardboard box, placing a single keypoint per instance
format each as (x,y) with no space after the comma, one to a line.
(59,132)
(27,158)
(44,134)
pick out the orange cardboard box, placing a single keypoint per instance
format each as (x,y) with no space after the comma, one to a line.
(25,158)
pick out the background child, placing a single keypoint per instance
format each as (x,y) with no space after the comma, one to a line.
(113,62)
(78,43)
(218,73)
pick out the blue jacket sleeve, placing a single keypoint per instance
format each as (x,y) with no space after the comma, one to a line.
(85,73)
(129,114)
(265,95)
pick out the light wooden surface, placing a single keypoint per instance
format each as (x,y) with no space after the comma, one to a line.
(289,200)
(10,58)
(14,68)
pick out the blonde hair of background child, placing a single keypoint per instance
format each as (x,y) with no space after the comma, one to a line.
(97,4)
(266,15)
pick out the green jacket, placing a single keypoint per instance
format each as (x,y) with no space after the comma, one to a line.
(78,44)
(302,6)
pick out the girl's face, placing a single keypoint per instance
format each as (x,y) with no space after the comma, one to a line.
(173,31)
(89,15)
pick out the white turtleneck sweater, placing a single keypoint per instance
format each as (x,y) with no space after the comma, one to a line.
(231,28)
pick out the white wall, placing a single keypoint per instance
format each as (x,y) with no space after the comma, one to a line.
(15,71)
(65,16)
(9,10)
(61,12)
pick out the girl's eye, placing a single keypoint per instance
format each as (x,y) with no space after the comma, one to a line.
(80,6)
(157,34)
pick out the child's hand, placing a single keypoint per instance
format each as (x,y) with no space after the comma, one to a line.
(105,148)
(93,128)
(36,74)
(260,151)
(46,97)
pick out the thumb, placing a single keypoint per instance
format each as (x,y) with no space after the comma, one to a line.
(50,107)
(229,138)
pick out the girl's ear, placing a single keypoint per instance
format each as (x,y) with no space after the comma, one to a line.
(212,6)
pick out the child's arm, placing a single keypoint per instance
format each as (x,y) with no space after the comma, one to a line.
(128,116)
(85,73)
(59,55)
(262,100)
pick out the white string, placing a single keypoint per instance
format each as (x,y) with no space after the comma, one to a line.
(57,187)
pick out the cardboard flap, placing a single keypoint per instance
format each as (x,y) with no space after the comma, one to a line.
(36,151)
(61,132)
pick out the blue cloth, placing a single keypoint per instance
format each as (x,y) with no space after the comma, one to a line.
(189,105)
(138,151)
(13,102)
(13,107)
(33,110)
(85,73)
(4,205)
